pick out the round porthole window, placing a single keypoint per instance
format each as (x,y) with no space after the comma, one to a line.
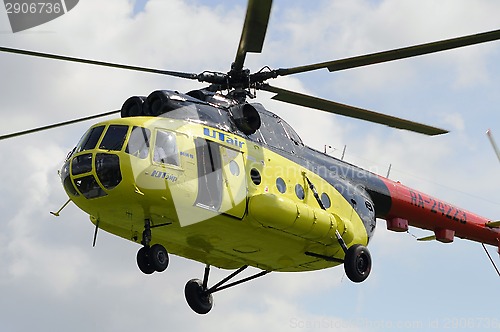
(234,168)
(255,176)
(281,185)
(326,200)
(299,191)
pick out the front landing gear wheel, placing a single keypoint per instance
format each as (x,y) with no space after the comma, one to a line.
(357,263)
(197,298)
(143,261)
(152,259)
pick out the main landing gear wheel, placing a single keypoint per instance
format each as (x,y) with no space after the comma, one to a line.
(158,257)
(151,259)
(143,261)
(197,297)
(357,263)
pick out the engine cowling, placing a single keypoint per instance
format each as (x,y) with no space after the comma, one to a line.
(133,106)
(162,101)
(246,118)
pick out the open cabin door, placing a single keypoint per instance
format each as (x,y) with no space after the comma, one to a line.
(221,178)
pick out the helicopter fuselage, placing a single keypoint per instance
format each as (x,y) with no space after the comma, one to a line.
(225,198)
(213,194)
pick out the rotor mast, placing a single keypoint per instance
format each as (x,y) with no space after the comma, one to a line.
(239,81)
(251,40)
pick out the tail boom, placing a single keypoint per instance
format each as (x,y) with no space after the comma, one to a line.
(412,207)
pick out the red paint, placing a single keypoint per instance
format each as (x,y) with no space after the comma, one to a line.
(446,220)
(397,224)
(444,235)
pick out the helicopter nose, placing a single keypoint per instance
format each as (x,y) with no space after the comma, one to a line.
(91,174)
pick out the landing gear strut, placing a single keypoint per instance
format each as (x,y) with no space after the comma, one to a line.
(151,258)
(357,261)
(199,296)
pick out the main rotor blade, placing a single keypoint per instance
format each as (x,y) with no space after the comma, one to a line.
(55,125)
(350,111)
(396,54)
(254,30)
(98,63)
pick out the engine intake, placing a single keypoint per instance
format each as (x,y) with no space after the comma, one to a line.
(133,106)
(246,118)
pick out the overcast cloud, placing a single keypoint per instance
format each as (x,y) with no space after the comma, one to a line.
(51,279)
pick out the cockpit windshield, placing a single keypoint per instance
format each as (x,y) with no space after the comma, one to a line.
(92,174)
(90,139)
(114,138)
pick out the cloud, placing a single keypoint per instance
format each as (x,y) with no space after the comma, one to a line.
(50,273)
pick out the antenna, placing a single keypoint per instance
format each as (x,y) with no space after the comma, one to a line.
(497,152)
(389,171)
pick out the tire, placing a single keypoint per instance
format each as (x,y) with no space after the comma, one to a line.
(158,257)
(196,298)
(143,261)
(357,263)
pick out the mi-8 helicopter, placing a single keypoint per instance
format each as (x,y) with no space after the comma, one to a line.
(227,163)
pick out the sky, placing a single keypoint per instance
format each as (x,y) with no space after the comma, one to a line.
(51,279)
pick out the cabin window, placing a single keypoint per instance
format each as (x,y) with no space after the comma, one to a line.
(114,138)
(234,168)
(299,191)
(165,150)
(255,176)
(138,143)
(325,199)
(281,185)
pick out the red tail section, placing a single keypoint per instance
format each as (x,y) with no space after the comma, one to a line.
(411,207)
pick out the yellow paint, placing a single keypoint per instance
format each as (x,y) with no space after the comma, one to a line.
(273,233)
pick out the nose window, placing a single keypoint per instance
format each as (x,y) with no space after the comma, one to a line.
(82,164)
(166,148)
(108,170)
(89,187)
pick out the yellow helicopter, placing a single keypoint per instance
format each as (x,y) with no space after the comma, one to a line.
(225,182)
